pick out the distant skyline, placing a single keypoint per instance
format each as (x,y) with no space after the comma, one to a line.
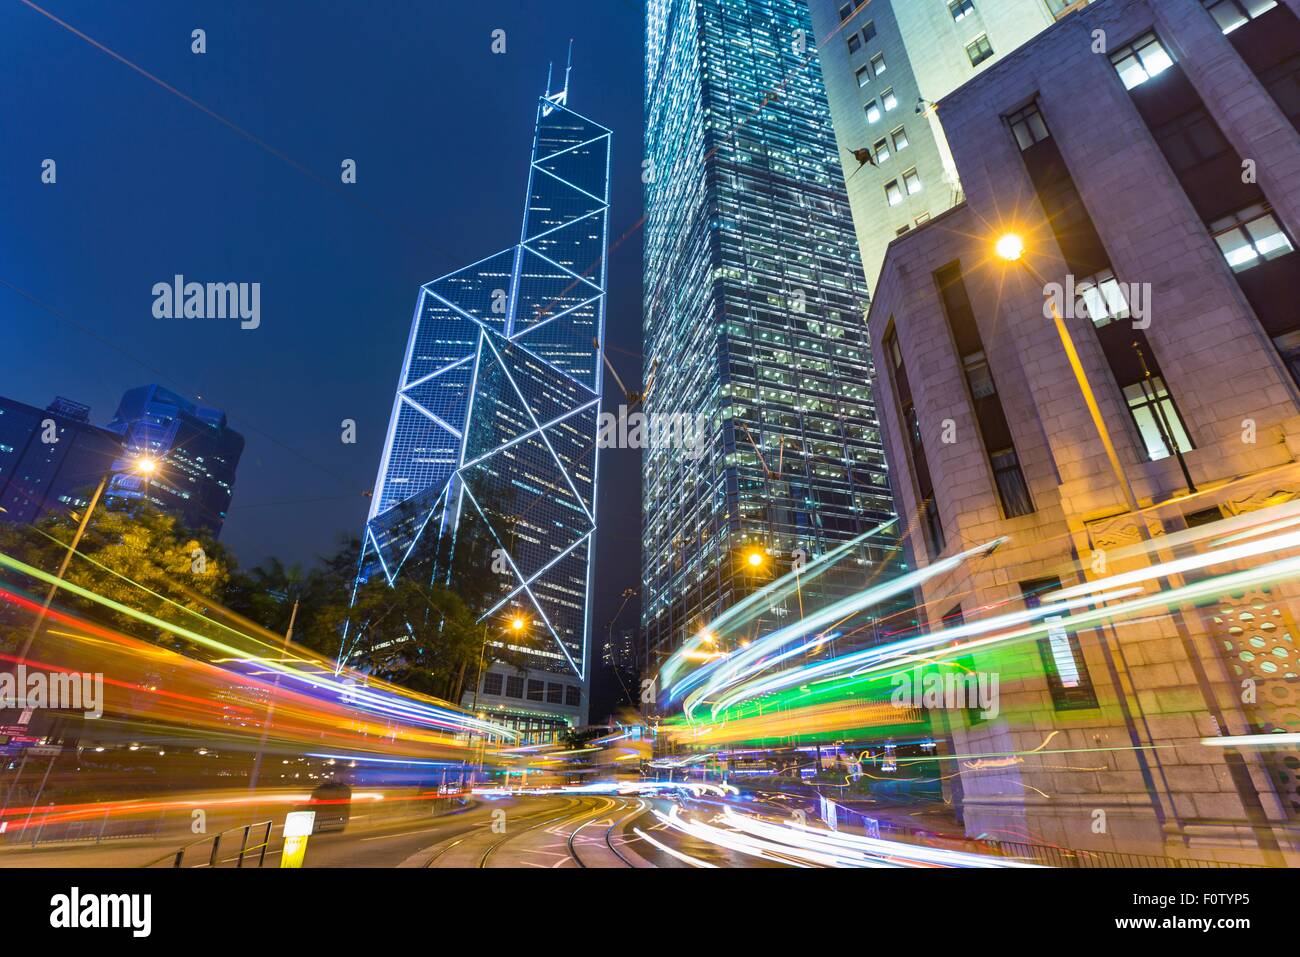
(150,186)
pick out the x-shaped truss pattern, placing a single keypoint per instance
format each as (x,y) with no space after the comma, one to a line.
(500,394)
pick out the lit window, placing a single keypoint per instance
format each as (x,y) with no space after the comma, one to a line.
(1028,127)
(873,111)
(863,75)
(882,151)
(1230,14)
(979,50)
(888,99)
(1063,661)
(878,64)
(1103,297)
(892,193)
(855,43)
(912,181)
(900,139)
(961,9)
(1156,418)
(1250,237)
(1141,60)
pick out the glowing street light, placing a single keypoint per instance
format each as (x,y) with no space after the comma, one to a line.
(142,465)
(754,558)
(1010,247)
(518,623)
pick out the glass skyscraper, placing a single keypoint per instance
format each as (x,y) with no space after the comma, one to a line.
(197,450)
(754,317)
(494,422)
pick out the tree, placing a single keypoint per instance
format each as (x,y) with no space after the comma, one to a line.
(266,595)
(138,557)
(421,636)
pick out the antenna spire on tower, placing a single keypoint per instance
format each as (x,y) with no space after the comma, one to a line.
(568,68)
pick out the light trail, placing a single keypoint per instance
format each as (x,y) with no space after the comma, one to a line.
(801,845)
(1253,741)
(746,660)
(388,701)
(746,675)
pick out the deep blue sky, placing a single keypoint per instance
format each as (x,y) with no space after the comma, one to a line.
(149,186)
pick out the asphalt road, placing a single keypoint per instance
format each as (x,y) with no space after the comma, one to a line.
(516,831)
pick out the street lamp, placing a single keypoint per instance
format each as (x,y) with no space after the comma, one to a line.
(143,465)
(754,558)
(517,624)
(1010,247)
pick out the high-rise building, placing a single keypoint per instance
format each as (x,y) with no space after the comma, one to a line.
(888,64)
(754,319)
(494,425)
(1147,412)
(50,459)
(197,450)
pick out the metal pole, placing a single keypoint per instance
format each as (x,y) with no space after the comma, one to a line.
(478,678)
(63,567)
(48,768)
(270,705)
(1247,793)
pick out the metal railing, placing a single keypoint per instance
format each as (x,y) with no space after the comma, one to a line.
(256,852)
(1049,856)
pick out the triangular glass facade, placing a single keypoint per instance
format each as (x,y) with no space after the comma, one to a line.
(495,418)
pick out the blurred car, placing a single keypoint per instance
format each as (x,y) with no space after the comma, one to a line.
(334,815)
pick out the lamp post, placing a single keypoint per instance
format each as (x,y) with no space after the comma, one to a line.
(145,466)
(517,624)
(1011,248)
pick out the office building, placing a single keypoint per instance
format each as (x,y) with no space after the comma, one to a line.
(51,459)
(1157,217)
(197,453)
(494,427)
(888,65)
(754,320)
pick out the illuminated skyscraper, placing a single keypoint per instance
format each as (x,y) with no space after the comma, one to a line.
(198,451)
(754,304)
(887,64)
(494,422)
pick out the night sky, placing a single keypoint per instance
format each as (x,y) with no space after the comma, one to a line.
(150,185)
